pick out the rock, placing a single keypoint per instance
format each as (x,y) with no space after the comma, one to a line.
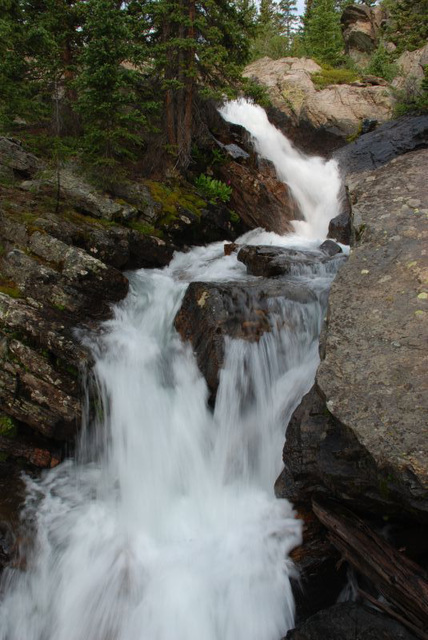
(85,197)
(16,161)
(270,261)
(341,227)
(54,273)
(259,197)
(39,378)
(211,311)
(330,248)
(321,574)
(336,110)
(361,434)
(360,31)
(378,147)
(350,621)
(411,69)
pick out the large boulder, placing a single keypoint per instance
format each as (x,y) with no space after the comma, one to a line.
(211,312)
(16,161)
(390,140)
(270,261)
(361,432)
(411,70)
(337,110)
(360,28)
(259,197)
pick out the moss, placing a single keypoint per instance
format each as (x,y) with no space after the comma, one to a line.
(329,76)
(59,307)
(8,428)
(143,227)
(11,291)
(354,136)
(175,198)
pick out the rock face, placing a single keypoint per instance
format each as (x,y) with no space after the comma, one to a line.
(361,433)
(337,110)
(259,198)
(411,65)
(392,139)
(349,621)
(360,28)
(212,311)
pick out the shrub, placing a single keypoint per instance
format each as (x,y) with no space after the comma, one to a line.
(381,64)
(213,189)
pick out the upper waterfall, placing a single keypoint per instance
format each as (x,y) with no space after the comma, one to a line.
(314,182)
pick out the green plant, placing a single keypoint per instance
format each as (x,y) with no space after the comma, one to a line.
(381,64)
(213,189)
(329,76)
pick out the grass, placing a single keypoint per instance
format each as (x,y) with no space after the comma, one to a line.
(329,76)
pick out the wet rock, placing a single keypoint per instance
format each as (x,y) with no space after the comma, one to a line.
(321,574)
(387,142)
(330,248)
(341,227)
(259,197)
(350,621)
(212,311)
(15,160)
(270,261)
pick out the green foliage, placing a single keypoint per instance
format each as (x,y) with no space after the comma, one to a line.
(322,33)
(414,97)
(256,92)
(175,197)
(382,65)
(213,189)
(8,427)
(107,91)
(329,76)
(407,25)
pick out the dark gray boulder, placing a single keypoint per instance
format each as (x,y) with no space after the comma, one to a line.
(388,141)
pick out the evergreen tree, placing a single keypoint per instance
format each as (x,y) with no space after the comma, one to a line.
(15,94)
(287,16)
(407,24)
(199,49)
(322,35)
(107,88)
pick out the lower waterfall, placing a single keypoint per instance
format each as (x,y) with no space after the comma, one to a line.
(165,526)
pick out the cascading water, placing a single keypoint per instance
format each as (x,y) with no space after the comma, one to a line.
(166,527)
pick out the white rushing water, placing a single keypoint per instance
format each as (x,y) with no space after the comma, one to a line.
(166,526)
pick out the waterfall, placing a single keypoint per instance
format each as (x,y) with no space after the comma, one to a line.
(314,183)
(165,526)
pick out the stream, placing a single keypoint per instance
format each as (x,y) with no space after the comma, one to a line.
(165,525)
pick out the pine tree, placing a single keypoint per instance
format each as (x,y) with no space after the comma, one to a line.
(287,16)
(199,49)
(107,89)
(323,37)
(15,92)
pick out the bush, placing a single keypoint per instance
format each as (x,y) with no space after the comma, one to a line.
(381,65)
(213,189)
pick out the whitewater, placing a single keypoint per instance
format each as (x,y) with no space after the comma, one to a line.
(165,525)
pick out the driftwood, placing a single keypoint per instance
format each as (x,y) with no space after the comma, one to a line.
(403,583)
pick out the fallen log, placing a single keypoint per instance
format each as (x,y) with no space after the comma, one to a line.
(402,582)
